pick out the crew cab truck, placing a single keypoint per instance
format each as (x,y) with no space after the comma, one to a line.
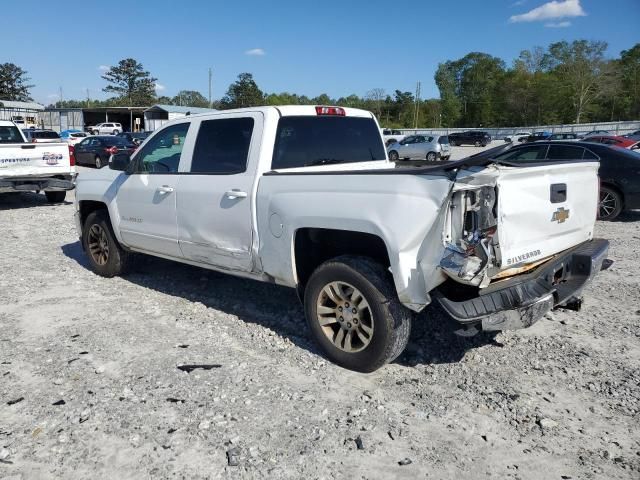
(305,197)
(24,166)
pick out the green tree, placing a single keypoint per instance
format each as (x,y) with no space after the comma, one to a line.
(244,92)
(132,84)
(451,104)
(630,77)
(13,83)
(190,98)
(579,66)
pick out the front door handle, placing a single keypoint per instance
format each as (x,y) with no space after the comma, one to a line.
(235,193)
(165,189)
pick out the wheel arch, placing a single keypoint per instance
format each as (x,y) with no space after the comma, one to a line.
(314,246)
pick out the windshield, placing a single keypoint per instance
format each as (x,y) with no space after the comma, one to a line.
(321,140)
(10,134)
(50,135)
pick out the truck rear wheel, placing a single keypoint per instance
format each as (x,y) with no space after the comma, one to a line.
(106,257)
(55,197)
(354,314)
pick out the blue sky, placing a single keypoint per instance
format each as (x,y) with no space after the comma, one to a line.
(306,47)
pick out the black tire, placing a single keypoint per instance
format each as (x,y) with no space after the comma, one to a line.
(431,157)
(610,203)
(477,144)
(98,162)
(55,197)
(117,260)
(390,320)
(393,156)
(115,132)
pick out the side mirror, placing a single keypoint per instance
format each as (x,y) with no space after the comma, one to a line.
(119,161)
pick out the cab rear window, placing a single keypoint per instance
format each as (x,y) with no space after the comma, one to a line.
(10,134)
(306,141)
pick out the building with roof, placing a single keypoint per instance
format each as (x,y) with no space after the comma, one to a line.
(24,114)
(158,115)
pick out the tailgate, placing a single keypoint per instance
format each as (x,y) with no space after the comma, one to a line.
(29,159)
(544,210)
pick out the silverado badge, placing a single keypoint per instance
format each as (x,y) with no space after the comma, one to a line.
(560,215)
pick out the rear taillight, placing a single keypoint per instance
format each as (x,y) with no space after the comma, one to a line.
(111,150)
(33,140)
(72,156)
(338,111)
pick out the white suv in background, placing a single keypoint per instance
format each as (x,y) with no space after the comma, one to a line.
(106,129)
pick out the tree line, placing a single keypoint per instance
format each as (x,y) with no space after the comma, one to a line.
(562,83)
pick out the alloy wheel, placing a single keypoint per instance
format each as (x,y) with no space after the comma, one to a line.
(98,244)
(345,317)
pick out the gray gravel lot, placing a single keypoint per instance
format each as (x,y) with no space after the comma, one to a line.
(89,384)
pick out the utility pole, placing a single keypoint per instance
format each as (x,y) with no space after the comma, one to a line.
(416,113)
(210,104)
(88,98)
(60,96)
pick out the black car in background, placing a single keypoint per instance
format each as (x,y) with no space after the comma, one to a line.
(619,169)
(472,137)
(135,137)
(96,150)
(537,136)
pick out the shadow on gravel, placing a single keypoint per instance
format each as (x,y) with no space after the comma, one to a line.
(628,216)
(13,201)
(278,308)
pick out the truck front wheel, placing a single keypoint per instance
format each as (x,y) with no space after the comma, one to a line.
(106,257)
(354,313)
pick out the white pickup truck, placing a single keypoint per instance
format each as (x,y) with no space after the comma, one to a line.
(46,167)
(305,197)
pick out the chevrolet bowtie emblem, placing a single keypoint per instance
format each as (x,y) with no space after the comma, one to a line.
(560,215)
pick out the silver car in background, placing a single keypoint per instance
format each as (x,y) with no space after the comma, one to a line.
(420,147)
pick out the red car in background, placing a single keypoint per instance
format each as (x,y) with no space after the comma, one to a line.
(616,141)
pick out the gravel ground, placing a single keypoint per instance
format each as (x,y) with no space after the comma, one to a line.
(90,385)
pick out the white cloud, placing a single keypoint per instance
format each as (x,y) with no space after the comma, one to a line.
(557,24)
(550,11)
(518,3)
(53,95)
(258,52)
(104,68)
(160,87)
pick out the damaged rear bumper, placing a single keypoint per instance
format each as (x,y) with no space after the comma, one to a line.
(520,301)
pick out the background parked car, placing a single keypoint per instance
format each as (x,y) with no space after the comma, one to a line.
(564,136)
(537,136)
(471,137)
(597,132)
(34,135)
(390,136)
(619,170)
(420,147)
(135,137)
(622,142)
(73,136)
(634,135)
(107,129)
(96,150)
(517,137)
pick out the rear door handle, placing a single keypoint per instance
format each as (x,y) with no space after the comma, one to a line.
(235,193)
(165,189)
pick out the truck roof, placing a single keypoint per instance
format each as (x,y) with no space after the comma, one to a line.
(284,111)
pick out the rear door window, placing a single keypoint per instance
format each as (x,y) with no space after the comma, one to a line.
(565,152)
(532,154)
(320,140)
(222,146)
